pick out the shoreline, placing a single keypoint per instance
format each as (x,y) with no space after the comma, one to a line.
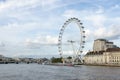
(106,65)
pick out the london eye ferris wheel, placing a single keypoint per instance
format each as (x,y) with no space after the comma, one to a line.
(76,45)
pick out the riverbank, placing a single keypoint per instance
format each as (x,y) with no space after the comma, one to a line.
(107,65)
(77,65)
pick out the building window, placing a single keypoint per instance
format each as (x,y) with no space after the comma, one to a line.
(109,57)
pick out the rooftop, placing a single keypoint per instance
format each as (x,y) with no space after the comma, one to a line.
(112,49)
(101,39)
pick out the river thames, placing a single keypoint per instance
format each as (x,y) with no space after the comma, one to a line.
(47,72)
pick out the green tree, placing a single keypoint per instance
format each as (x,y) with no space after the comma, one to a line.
(69,57)
(56,60)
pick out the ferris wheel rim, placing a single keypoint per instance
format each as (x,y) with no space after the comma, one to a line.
(82,32)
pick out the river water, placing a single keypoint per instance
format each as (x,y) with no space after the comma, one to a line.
(47,72)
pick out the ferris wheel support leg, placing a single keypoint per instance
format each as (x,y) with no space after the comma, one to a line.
(80,59)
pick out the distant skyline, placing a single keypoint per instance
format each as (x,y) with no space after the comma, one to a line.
(31,27)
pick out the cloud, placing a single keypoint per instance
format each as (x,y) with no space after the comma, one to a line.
(36,22)
(20,10)
(115,7)
(111,33)
(13,31)
(41,41)
(95,17)
(44,5)
(69,52)
(100,10)
(13,4)
(97,20)
(99,24)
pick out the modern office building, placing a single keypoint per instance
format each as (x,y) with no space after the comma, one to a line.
(102,44)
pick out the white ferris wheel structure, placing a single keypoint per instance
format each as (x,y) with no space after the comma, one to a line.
(77,52)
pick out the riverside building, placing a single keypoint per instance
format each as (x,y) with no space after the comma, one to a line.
(104,53)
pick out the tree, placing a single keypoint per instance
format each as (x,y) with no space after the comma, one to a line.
(56,60)
(69,57)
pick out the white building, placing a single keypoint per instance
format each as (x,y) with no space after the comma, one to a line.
(112,56)
(104,52)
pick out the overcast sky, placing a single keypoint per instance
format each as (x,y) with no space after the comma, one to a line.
(27,27)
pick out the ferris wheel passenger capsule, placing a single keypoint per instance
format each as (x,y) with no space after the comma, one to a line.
(81,51)
(83,27)
(83,41)
(78,20)
(83,31)
(81,23)
(83,36)
(82,46)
